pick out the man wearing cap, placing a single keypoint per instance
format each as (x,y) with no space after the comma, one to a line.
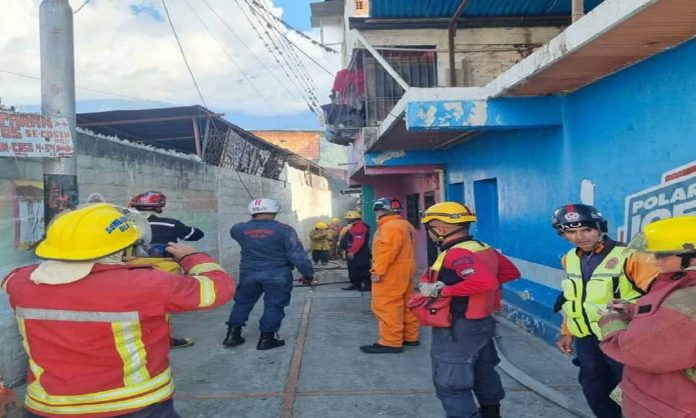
(597,270)
(270,251)
(95,329)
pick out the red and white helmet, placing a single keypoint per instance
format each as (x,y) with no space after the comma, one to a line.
(258,206)
(151,200)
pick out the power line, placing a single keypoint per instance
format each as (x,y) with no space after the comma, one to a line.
(297,31)
(296,66)
(265,67)
(224,49)
(81,6)
(183,55)
(32,77)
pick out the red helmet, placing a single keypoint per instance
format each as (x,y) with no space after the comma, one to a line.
(148,200)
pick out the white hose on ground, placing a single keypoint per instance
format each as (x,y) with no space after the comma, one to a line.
(538,387)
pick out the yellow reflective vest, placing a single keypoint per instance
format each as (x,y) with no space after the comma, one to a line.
(585,299)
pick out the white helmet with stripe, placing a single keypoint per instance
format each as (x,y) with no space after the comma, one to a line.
(262,205)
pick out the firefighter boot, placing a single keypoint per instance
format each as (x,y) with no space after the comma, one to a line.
(269,340)
(234,337)
(490,411)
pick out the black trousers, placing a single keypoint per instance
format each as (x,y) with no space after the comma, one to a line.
(320,255)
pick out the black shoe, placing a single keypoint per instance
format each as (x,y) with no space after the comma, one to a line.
(351,287)
(412,343)
(234,337)
(269,340)
(380,349)
(490,411)
(180,342)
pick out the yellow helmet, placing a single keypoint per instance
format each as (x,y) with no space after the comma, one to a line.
(88,233)
(448,212)
(335,221)
(352,215)
(321,225)
(667,236)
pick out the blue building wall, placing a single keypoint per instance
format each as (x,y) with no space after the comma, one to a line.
(621,133)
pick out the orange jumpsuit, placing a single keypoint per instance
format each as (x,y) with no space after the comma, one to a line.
(393,258)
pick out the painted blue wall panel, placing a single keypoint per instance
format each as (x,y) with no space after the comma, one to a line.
(399,158)
(620,134)
(500,113)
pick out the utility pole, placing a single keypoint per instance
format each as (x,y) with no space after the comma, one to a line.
(58,99)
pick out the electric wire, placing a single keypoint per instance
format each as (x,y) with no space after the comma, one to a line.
(234,33)
(81,6)
(285,67)
(183,54)
(32,77)
(283,35)
(299,32)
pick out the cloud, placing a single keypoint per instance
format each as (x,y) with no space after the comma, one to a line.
(127,47)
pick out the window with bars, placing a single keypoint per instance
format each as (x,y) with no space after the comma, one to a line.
(417,68)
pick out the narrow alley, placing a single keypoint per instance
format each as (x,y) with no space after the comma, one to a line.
(321,373)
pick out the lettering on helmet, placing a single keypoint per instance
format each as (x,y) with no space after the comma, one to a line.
(572,217)
(122,224)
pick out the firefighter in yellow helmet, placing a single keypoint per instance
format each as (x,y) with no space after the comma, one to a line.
(469,272)
(320,243)
(655,338)
(96,326)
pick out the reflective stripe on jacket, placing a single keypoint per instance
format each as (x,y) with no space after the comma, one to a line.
(98,347)
(584,299)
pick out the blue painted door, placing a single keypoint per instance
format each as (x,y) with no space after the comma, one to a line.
(455,192)
(368,199)
(486,201)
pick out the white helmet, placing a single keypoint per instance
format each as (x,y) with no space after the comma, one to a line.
(262,205)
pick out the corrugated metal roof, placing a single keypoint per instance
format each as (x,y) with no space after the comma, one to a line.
(400,9)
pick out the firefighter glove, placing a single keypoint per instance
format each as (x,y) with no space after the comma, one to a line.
(431,290)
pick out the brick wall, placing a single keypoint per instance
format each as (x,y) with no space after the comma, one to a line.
(211,198)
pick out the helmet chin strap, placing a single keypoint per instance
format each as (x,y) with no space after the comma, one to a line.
(442,238)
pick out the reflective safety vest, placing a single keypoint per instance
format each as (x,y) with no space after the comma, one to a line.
(481,304)
(585,299)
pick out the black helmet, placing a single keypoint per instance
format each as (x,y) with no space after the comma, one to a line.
(387,204)
(577,216)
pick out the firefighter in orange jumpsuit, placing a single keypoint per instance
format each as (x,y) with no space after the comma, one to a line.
(94,328)
(393,268)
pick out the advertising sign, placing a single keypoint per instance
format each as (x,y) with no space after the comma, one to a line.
(28,135)
(674,196)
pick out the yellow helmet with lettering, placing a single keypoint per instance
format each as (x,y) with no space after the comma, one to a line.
(448,212)
(352,215)
(88,233)
(321,225)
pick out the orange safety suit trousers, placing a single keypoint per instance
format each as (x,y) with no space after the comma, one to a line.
(396,323)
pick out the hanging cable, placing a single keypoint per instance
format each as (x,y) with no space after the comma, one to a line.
(297,31)
(299,81)
(183,55)
(32,77)
(277,30)
(81,6)
(244,44)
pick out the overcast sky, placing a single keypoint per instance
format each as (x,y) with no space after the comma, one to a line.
(126,47)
